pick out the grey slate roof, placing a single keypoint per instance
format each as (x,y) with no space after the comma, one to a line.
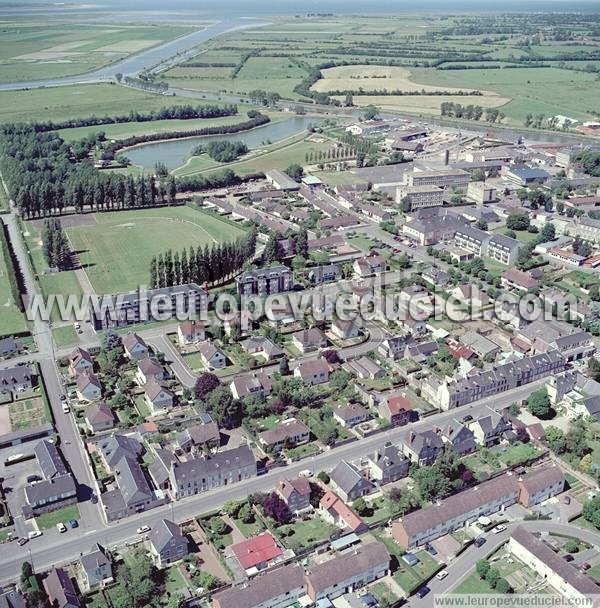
(49,459)
(44,491)
(132,482)
(163,533)
(160,467)
(115,447)
(346,477)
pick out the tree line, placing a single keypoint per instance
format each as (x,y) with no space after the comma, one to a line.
(15,277)
(44,178)
(255,119)
(55,245)
(175,112)
(202,265)
(222,151)
(470,112)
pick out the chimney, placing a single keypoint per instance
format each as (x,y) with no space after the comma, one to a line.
(411,437)
(446,157)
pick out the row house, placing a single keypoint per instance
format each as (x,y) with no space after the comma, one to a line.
(289,433)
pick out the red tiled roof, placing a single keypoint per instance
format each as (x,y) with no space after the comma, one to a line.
(398,404)
(256,550)
(332,502)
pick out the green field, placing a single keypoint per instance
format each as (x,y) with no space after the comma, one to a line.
(128,129)
(80,101)
(11,319)
(47,50)
(49,520)
(117,247)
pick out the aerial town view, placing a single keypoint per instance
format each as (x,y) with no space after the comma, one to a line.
(299,304)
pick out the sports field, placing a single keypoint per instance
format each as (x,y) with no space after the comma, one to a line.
(46,50)
(116,248)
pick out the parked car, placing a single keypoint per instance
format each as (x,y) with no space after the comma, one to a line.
(143,529)
(32,478)
(34,534)
(430,549)
(568,557)
(467,418)
(479,541)
(499,528)
(423,591)
(441,575)
(61,527)
(585,566)
(73,523)
(22,541)
(94,498)
(65,408)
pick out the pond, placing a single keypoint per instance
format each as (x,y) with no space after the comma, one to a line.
(174,153)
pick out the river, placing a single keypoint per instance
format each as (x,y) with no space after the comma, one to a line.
(176,152)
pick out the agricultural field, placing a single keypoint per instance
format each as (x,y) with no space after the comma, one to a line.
(41,50)
(116,248)
(412,53)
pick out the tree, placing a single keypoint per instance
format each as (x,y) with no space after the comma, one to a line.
(492,577)
(503,586)
(431,483)
(517,221)
(360,506)
(273,251)
(585,464)
(571,546)
(324,477)
(548,232)
(246,514)
(538,404)
(205,384)
(276,508)
(206,580)
(482,568)
(295,171)
(137,582)
(224,409)
(370,112)
(284,366)
(555,438)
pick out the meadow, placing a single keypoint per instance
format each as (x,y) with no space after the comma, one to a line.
(46,50)
(81,101)
(116,248)
(412,53)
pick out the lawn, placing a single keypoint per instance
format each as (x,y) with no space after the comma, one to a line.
(308,449)
(65,336)
(249,530)
(194,361)
(12,319)
(517,453)
(116,248)
(302,534)
(412,577)
(174,581)
(49,520)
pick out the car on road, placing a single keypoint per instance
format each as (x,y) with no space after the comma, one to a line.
(73,523)
(34,534)
(467,418)
(61,527)
(94,498)
(441,575)
(585,566)
(568,557)
(423,591)
(63,397)
(499,528)
(143,529)
(305,473)
(479,541)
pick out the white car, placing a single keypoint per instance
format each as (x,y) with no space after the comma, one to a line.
(499,528)
(34,534)
(305,473)
(143,529)
(65,408)
(61,527)
(441,575)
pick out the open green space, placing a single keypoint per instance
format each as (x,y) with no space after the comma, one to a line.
(80,101)
(412,577)
(49,520)
(116,248)
(65,336)
(47,50)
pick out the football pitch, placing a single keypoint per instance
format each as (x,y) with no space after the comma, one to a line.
(115,249)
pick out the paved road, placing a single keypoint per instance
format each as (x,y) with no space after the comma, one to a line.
(464,564)
(71,447)
(52,549)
